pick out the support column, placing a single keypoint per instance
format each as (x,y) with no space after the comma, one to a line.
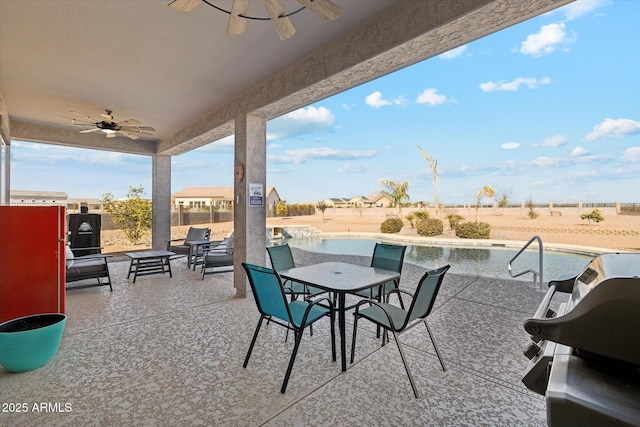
(5,173)
(249,214)
(161,202)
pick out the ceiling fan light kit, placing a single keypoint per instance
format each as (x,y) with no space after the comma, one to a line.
(326,9)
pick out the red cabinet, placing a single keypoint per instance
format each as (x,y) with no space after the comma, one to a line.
(32,260)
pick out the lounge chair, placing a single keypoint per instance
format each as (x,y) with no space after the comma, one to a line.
(85,267)
(185,248)
(218,255)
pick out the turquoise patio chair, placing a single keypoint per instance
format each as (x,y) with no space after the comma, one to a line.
(296,315)
(389,257)
(282,259)
(395,319)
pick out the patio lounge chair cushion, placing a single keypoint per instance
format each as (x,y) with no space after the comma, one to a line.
(88,267)
(217,256)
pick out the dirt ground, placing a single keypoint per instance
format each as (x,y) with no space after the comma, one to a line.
(620,232)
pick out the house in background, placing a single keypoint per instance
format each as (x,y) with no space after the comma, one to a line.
(43,198)
(218,198)
(372,201)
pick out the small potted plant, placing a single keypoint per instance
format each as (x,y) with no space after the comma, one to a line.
(29,342)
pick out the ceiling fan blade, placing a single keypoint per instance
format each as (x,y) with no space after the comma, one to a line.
(130,122)
(90,130)
(110,135)
(129,135)
(284,27)
(90,119)
(64,118)
(184,5)
(323,8)
(238,25)
(142,128)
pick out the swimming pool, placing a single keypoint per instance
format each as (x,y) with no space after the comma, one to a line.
(486,261)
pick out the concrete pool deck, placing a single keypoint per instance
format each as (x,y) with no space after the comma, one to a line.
(169,351)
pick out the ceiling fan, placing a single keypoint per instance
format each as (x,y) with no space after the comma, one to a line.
(238,14)
(130,128)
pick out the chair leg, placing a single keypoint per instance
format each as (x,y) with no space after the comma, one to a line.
(406,367)
(298,338)
(433,340)
(353,339)
(253,341)
(333,335)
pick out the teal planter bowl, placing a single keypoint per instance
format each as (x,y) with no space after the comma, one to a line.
(29,342)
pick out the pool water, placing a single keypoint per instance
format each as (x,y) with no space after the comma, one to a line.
(485,261)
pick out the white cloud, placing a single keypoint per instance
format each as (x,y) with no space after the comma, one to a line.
(510,145)
(429,96)
(375,100)
(631,155)
(530,82)
(617,128)
(300,122)
(547,161)
(578,152)
(546,40)
(453,53)
(555,141)
(578,8)
(320,153)
(353,168)
(224,144)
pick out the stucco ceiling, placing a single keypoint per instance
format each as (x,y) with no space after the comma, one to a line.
(181,74)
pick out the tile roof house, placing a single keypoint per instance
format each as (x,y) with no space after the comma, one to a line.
(221,198)
(371,201)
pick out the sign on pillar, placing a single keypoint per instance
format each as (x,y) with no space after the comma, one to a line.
(256,194)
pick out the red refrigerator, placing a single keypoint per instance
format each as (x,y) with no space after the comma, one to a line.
(32,260)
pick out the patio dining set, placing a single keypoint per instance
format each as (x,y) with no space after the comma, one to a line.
(295,297)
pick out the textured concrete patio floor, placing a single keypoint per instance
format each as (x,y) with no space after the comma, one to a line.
(169,351)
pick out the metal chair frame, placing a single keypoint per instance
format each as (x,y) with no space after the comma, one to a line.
(285,318)
(383,315)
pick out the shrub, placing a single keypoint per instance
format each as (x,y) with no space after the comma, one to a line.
(420,215)
(473,230)
(281,209)
(133,215)
(595,216)
(391,225)
(410,218)
(454,220)
(430,227)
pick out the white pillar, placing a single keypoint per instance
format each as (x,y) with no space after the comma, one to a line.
(161,202)
(250,223)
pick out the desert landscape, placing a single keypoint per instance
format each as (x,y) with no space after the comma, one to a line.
(617,232)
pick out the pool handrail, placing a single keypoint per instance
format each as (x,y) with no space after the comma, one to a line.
(535,273)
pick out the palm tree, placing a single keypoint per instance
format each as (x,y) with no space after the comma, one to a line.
(486,191)
(434,170)
(396,191)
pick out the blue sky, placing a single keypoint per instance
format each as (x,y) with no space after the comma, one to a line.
(548,109)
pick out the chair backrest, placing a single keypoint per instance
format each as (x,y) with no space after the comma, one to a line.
(426,293)
(268,292)
(281,257)
(197,234)
(389,257)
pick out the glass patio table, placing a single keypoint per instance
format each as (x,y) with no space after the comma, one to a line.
(341,278)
